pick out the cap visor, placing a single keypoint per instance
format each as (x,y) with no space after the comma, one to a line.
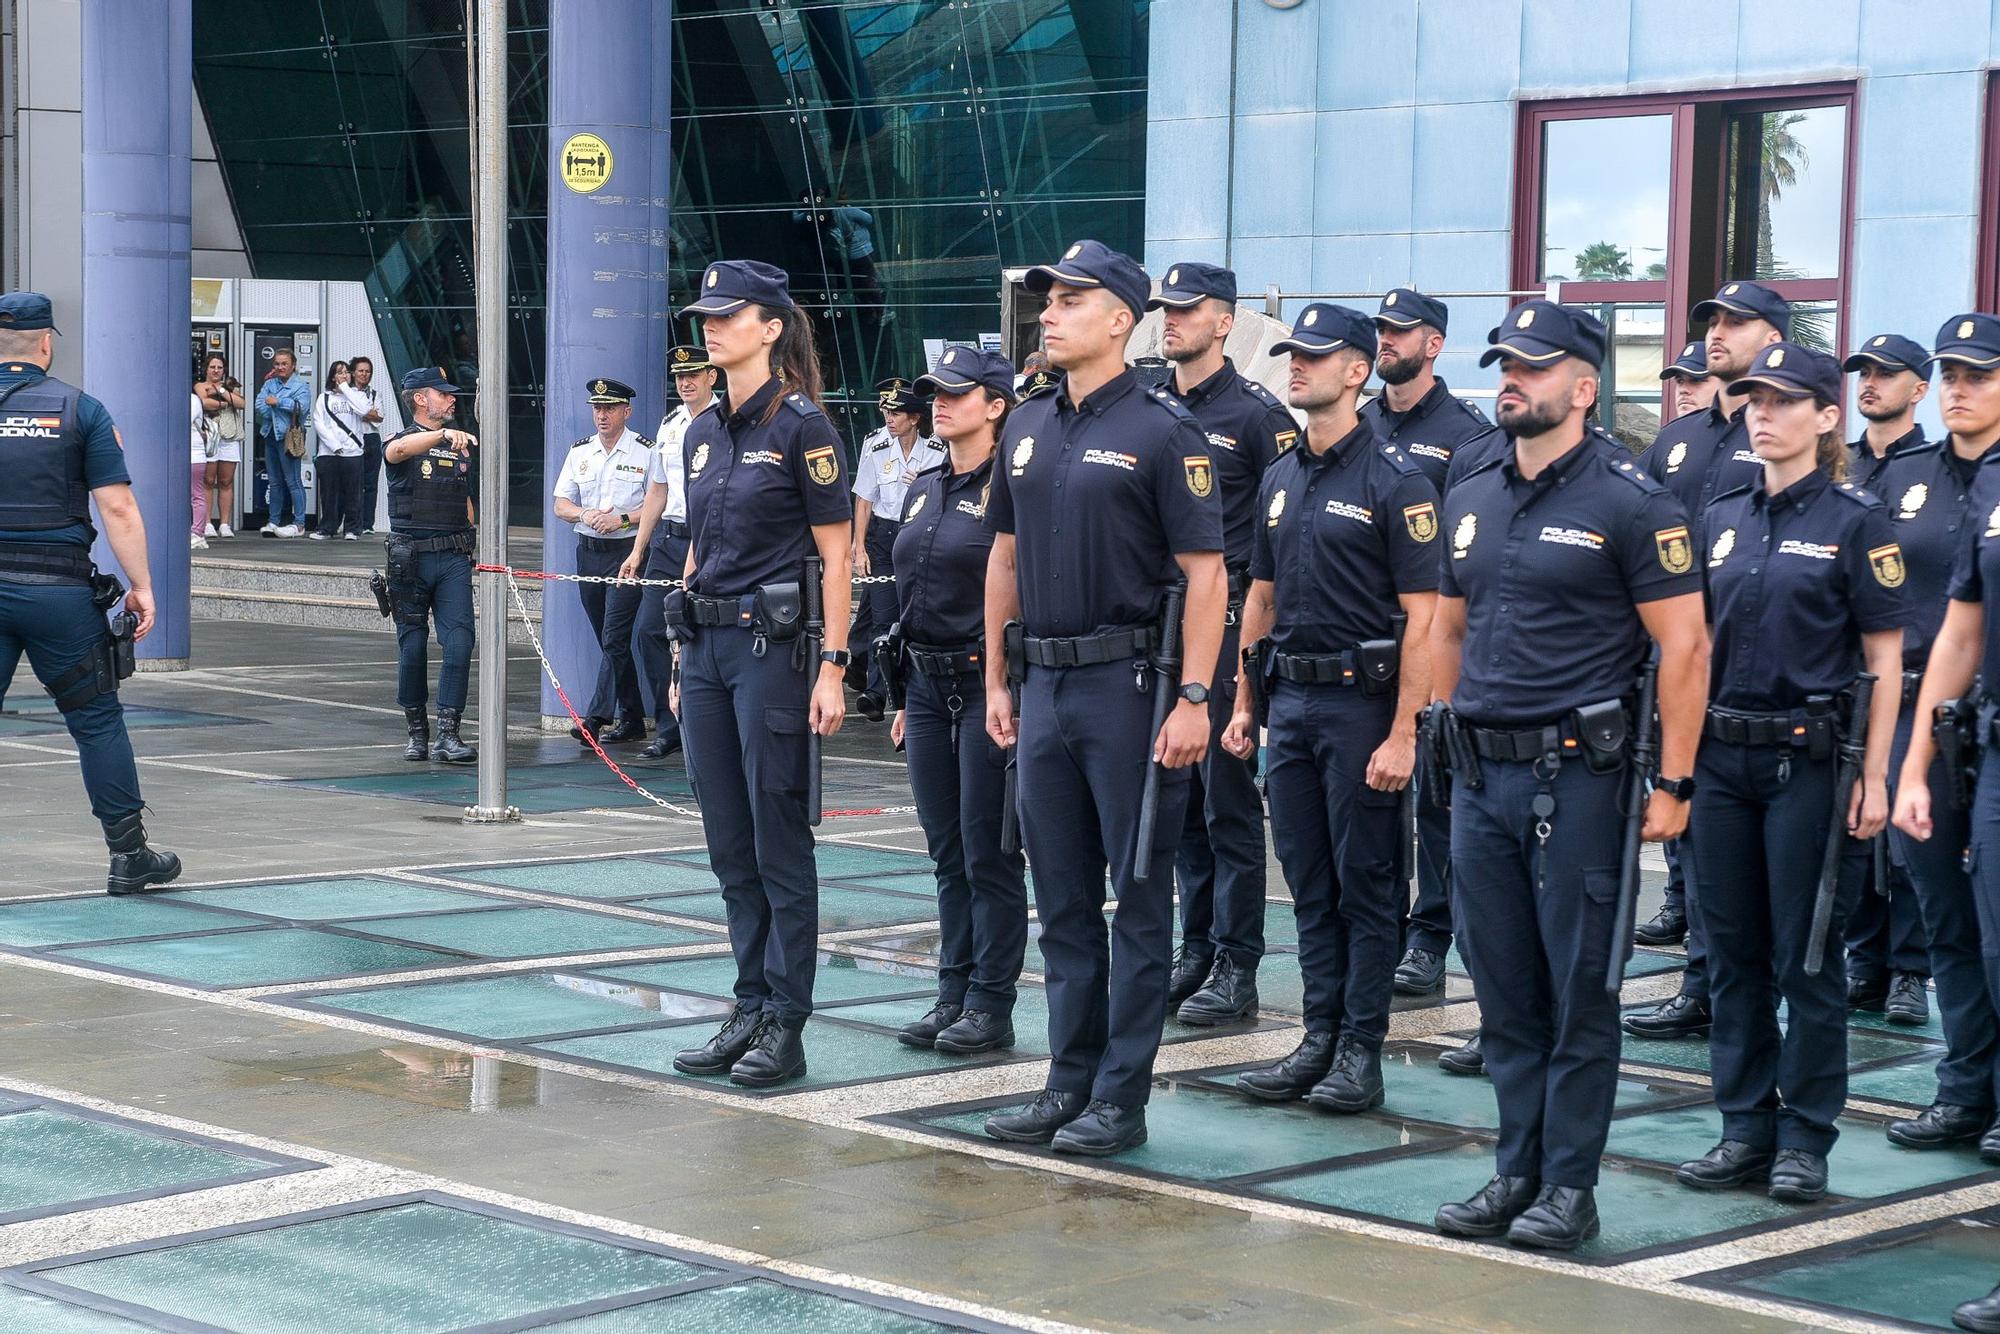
(1396,323)
(1791,388)
(1965,356)
(1044,276)
(1533,356)
(1310,349)
(1861,359)
(1682,373)
(937,381)
(714,306)
(1709,307)
(1178,300)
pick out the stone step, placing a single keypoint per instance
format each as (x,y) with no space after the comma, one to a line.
(301,580)
(319,612)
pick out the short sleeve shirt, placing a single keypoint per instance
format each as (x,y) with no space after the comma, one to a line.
(1552,570)
(1100,497)
(940,557)
(1978,562)
(668,464)
(1431,431)
(1247,429)
(757,488)
(883,474)
(601,479)
(1928,492)
(1341,534)
(1701,455)
(1794,581)
(1865,467)
(103,456)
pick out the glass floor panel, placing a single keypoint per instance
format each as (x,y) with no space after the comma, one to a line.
(331,900)
(1693,1053)
(36,923)
(835,1054)
(262,957)
(522,933)
(1863,1163)
(838,978)
(839,860)
(411,1267)
(756,1305)
(503,1009)
(1913,1083)
(49,1158)
(603,878)
(840,909)
(44,1315)
(1917,1277)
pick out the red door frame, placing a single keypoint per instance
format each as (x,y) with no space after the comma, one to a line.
(1987,294)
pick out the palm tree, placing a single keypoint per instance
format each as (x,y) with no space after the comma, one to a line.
(1602,261)
(1781,156)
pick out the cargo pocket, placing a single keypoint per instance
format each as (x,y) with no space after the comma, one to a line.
(785,756)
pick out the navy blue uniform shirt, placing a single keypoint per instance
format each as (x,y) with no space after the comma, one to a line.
(1429,433)
(1794,581)
(1978,562)
(1343,533)
(1247,428)
(1551,571)
(410,472)
(1101,496)
(940,557)
(1927,490)
(103,456)
(1701,455)
(1865,470)
(756,489)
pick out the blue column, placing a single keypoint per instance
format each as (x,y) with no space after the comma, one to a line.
(610,75)
(138,128)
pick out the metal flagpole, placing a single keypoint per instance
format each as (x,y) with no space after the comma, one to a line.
(489,223)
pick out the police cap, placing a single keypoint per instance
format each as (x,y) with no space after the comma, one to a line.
(1406,308)
(1753,300)
(1691,364)
(897,394)
(1893,351)
(688,359)
(1541,333)
(963,368)
(428,377)
(731,284)
(1793,369)
(27,311)
(1971,339)
(1324,328)
(1190,282)
(1095,264)
(609,393)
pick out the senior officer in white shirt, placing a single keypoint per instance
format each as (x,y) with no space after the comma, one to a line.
(891,459)
(662,545)
(600,491)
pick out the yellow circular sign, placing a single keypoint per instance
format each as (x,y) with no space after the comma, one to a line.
(585,163)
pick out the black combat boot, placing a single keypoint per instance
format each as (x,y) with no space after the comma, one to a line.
(777,1054)
(420,734)
(136,868)
(449,748)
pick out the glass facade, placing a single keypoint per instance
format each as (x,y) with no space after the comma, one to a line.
(894,157)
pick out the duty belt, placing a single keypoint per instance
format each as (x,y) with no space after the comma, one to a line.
(59,560)
(713,612)
(1738,728)
(1318,669)
(588,543)
(1133,641)
(458,542)
(932,660)
(675,527)
(1523,743)
(884,521)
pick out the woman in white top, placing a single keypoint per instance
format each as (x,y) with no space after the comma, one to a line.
(202,448)
(222,401)
(338,424)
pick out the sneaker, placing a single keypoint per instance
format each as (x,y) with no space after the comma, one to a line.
(196,542)
(350,537)
(225,531)
(317,536)
(209,531)
(292,530)
(269,530)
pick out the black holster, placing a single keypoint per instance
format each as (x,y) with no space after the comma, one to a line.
(1256,660)
(1379,661)
(1461,758)
(124,635)
(1955,728)
(1602,732)
(385,601)
(105,590)
(888,651)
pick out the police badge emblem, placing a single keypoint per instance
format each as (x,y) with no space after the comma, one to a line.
(1461,536)
(1725,542)
(1023,451)
(1421,520)
(1200,476)
(820,465)
(699,461)
(1277,510)
(1887,563)
(1913,500)
(1675,550)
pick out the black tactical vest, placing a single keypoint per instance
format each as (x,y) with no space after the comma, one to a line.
(430,490)
(41,457)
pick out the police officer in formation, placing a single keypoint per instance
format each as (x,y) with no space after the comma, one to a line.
(1104,495)
(661,543)
(433,479)
(1888,965)
(1564,559)
(956,771)
(767,491)
(1220,864)
(1698,457)
(59,452)
(890,461)
(1687,381)
(599,493)
(1344,584)
(1804,591)
(1950,852)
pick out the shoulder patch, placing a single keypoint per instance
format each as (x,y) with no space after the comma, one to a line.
(802,405)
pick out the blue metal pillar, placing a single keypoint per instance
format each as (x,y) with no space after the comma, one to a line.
(610,182)
(138,139)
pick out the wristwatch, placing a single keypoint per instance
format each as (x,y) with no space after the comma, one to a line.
(1680,789)
(839,657)
(1195,693)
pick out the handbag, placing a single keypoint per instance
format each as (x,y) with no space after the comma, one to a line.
(295,441)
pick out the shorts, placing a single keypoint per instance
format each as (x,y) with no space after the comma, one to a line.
(227,451)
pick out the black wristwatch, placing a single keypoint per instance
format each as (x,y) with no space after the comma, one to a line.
(839,657)
(1195,693)
(1680,789)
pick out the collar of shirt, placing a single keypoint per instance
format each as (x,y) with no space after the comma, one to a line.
(1909,439)
(1342,451)
(954,480)
(626,443)
(1433,398)
(752,411)
(1558,472)
(1101,398)
(1963,469)
(1210,387)
(1798,495)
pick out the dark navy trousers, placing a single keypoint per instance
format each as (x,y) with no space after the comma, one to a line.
(1220,861)
(1085,739)
(58,626)
(1683,894)
(1534,925)
(611,611)
(666,558)
(743,723)
(444,579)
(1336,840)
(876,603)
(1962,925)
(961,791)
(1885,933)
(1426,924)
(1757,862)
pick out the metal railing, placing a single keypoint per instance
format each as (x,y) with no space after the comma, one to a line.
(1274,298)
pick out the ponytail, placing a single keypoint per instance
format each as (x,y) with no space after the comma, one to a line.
(1830,456)
(794,357)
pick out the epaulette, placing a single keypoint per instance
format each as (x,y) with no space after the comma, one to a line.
(933,470)
(1472,410)
(1740,489)
(1257,390)
(1172,404)
(1400,461)
(581,443)
(647,441)
(1859,495)
(1628,468)
(802,405)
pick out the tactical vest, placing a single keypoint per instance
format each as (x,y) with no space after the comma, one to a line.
(430,490)
(41,456)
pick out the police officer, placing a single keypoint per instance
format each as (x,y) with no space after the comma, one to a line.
(599,493)
(432,474)
(767,490)
(59,451)
(1103,495)
(1968,347)
(1346,549)
(1888,968)
(1687,381)
(661,544)
(1039,381)
(1220,864)
(956,772)
(1944,507)
(1417,412)
(1699,456)
(1805,584)
(890,460)
(1564,557)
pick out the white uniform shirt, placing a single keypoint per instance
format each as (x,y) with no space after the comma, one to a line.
(668,467)
(614,480)
(882,477)
(199,430)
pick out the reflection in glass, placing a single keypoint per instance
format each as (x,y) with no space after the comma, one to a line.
(1629,404)
(1786,181)
(1604,198)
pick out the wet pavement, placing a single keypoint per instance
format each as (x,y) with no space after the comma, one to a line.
(370,1060)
